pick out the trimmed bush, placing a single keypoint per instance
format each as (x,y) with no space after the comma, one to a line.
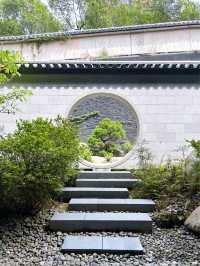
(35,161)
(109,137)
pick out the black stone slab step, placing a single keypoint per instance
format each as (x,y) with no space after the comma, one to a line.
(131,205)
(99,221)
(113,183)
(90,192)
(101,244)
(103,174)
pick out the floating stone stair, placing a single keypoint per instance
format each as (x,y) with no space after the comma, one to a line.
(100,244)
(90,192)
(99,221)
(131,205)
(113,183)
(96,192)
(105,175)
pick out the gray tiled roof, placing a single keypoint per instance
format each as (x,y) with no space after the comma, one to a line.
(57,35)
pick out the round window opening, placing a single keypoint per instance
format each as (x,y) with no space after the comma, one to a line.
(108,128)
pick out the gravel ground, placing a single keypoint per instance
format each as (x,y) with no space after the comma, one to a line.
(26,241)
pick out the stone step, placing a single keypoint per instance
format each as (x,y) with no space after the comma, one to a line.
(102,244)
(90,192)
(131,205)
(112,183)
(105,175)
(101,221)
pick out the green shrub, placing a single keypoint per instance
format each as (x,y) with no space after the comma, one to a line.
(108,156)
(175,185)
(127,146)
(196,146)
(194,182)
(85,152)
(35,161)
(108,137)
(166,179)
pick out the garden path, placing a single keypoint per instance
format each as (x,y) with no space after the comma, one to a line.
(100,202)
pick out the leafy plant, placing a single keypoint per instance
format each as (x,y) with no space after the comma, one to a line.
(196,146)
(8,70)
(8,66)
(172,184)
(170,178)
(10,100)
(109,13)
(126,146)
(70,13)
(108,156)
(26,17)
(35,161)
(85,152)
(107,137)
(194,182)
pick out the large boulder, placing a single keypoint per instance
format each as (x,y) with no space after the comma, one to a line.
(193,221)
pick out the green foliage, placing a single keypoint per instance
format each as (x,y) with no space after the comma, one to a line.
(126,146)
(108,13)
(174,178)
(106,137)
(195,166)
(70,13)
(81,119)
(175,185)
(188,10)
(108,156)
(26,17)
(8,67)
(196,146)
(8,70)
(9,101)
(85,152)
(169,179)
(35,161)
(99,13)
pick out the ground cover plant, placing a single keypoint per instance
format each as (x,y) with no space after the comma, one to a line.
(35,161)
(173,184)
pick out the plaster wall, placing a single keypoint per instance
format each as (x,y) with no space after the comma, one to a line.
(111,44)
(167,114)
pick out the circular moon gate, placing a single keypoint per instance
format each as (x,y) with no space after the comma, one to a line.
(107,106)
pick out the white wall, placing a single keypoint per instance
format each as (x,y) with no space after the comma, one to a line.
(110,44)
(168,114)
